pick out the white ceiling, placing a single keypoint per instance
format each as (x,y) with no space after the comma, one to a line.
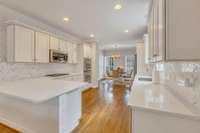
(90,16)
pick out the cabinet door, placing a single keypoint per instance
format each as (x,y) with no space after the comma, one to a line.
(84,51)
(146,45)
(155,33)
(183,30)
(151,35)
(42,48)
(160,5)
(24,45)
(63,46)
(87,51)
(54,43)
(70,53)
(75,54)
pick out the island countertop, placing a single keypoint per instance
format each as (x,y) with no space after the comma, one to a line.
(39,89)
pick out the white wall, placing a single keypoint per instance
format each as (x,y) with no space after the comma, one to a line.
(11,71)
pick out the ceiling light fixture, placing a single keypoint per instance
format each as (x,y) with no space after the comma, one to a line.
(118,6)
(92,35)
(66,19)
(126,31)
(116,46)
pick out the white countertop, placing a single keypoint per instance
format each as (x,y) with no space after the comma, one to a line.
(149,96)
(39,89)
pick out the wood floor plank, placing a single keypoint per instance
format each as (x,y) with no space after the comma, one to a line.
(108,112)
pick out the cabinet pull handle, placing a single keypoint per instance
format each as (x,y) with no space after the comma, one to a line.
(155,55)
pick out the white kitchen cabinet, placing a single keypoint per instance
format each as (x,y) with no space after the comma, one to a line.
(160,30)
(143,69)
(175,35)
(63,46)
(156,109)
(72,53)
(146,120)
(156,31)
(150,37)
(41,47)
(54,43)
(147,47)
(20,44)
(87,50)
(75,60)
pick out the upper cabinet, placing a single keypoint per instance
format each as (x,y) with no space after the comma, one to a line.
(63,46)
(72,53)
(54,43)
(27,45)
(147,47)
(87,51)
(75,60)
(20,44)
(70,56)
(156,30)
(41,47)
(174,30)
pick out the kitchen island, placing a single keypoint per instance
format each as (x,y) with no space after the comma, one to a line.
(41,105)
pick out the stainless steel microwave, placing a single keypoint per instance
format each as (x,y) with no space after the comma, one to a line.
(58,56)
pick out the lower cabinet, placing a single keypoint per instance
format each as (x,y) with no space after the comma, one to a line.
(69,111)
(150,121)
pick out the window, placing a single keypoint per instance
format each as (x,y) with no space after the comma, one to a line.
(111,63)
(129,63)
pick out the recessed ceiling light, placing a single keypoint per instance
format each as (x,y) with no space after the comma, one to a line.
(92,35)
(66,19)
(118,7)
(126,31)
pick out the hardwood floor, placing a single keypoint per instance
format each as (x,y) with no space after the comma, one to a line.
(5,129)
(106,112)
